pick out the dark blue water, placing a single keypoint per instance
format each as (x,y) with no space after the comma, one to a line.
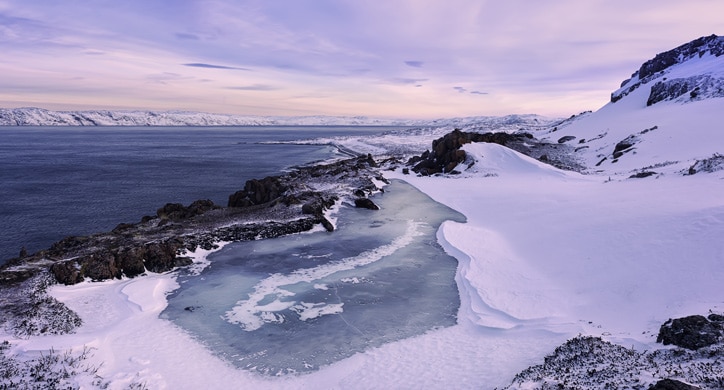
(56,182)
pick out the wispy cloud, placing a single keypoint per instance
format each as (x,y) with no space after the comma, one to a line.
(187,36)
(212,66)
(402,80)
(339,57)
(254,87)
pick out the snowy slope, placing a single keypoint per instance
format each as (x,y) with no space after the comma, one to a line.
(667,136)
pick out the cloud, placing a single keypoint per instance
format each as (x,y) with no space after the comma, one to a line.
(186,36)
(211,66)
(254,87)
(341,56)
(403,80)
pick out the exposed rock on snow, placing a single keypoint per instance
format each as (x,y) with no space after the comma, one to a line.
(659,65)
(446,153)
(692,332)
(592,363)
(686,89)
(711,164)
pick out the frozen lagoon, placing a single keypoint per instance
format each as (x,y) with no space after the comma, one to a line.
(297,303)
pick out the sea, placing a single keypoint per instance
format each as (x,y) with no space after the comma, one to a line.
(277,306)
(73,181)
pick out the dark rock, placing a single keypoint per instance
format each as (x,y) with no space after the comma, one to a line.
(178,212)
(697,47)
(446,154)
(692,332)
(67,272)
(672,384)
(312,208)
(281,205)
(566,138)
(642,175)
(257,192)
(327,225)
(365,203)
(160,257)
(711,164)
(100,266)
(659,65)
(715,317)
(130,260)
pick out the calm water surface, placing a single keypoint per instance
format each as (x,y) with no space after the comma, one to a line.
(60,181)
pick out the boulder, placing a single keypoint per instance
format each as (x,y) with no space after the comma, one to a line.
(161,256)
(672,384)
(692,332)
(566,138)
(257,192)
(365,203)
(130,260)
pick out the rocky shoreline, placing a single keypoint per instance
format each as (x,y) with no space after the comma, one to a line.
(275,206)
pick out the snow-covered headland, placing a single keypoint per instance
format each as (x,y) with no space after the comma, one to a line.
(546,255)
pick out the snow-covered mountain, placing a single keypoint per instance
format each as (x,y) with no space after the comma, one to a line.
(666,118)
(33,116)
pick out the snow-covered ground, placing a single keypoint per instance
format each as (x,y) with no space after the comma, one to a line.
(545,255)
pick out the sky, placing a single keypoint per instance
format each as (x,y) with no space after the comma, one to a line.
(419,59)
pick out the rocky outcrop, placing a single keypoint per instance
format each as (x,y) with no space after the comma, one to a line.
(696,48)
(177,211)
(692,332)
(266,208)
(446,154)
(672,384)
(365,203)
(257,192)
(660,64)
(711,164)
(686,89)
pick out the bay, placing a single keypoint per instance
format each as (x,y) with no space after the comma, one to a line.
(61,181)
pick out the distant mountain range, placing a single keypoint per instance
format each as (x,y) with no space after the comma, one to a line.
(32,116)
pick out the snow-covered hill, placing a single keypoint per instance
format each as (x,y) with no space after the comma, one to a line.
(33,116)
(667,118)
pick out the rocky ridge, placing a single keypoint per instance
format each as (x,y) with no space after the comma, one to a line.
(680,89)
(271,207)
(446,154)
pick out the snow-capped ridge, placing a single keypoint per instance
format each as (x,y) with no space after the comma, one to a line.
(688,56)
(33,116)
